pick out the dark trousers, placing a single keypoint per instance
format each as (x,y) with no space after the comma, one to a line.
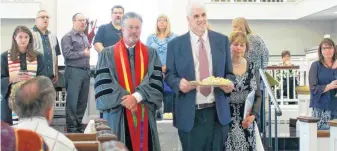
(225,131)
(6,112)
(77,86)
(168,102)
(206,134)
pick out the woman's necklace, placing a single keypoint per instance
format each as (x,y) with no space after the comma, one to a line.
(238,64)
(328,66)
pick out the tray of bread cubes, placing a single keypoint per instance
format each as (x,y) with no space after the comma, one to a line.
(212,81)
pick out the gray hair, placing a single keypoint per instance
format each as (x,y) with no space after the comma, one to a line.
(117,6)
(35,97)
(37,14)
(192,5)
(130,15)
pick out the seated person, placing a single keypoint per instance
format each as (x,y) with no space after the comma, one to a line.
(34,104)
(283,76)
(20,139)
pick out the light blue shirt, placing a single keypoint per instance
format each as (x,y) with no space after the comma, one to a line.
(160,45)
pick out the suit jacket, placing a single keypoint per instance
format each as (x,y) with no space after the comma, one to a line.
(180,64)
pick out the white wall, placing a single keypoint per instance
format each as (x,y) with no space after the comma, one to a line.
(279,35)
(334,31)
(292,35)
(7,29)
(268,11)
(175,9)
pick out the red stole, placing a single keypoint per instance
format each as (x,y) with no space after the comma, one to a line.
(138,121)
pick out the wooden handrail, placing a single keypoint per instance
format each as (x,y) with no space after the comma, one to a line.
(81,137)
(333,123)
(323,133)
(86,145)
(302,90)
(307,119)
(283,67)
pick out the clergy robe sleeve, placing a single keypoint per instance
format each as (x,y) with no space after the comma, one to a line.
(151,88)
(108,92)
(4,74)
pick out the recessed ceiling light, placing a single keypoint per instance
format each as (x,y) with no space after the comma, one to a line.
(335,12)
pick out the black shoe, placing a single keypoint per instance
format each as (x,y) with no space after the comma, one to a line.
(72,130)
(81,128)
(159,116)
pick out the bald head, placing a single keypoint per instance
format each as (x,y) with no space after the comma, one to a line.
(29,92)
(35,97)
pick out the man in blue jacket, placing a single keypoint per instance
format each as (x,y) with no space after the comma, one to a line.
(200,113)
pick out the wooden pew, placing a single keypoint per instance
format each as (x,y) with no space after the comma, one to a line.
(91,142)
(323,133)
(333,135)
(312,139)
(81,137)
(86,145)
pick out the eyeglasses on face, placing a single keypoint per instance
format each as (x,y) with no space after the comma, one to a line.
(81,20)
(44,17)
(327,48)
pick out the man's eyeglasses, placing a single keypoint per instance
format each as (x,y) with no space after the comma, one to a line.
(134,27)
(44,17)
(162,20)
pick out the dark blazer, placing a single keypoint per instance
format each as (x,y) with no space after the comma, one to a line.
(180,64)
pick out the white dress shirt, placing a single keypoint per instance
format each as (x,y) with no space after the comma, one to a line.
(201,99)
(55,140)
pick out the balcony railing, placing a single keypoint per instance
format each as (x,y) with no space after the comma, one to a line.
(254,1)
(288,77)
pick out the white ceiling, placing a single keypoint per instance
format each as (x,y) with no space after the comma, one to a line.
(327,14)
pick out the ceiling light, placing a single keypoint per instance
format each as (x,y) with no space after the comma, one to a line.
(335,12)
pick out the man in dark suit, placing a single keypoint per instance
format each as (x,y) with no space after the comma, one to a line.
(201,114)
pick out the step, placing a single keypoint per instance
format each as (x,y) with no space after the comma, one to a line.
(285,143)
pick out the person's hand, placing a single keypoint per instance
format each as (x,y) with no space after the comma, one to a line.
(332,85)
(19,77)
(86,52)
(56,78)
(248,121)
(228,87)
(129,102)
(163,68)
(185,86)
(134,109)
(287,63)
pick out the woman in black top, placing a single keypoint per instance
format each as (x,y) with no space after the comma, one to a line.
(21,62)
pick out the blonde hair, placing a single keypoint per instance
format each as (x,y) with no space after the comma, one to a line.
(239,37)
(168,25)
(243,24)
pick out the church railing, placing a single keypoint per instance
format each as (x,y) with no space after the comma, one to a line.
(267,93)
(312,139)
(256,1)
(287,78)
